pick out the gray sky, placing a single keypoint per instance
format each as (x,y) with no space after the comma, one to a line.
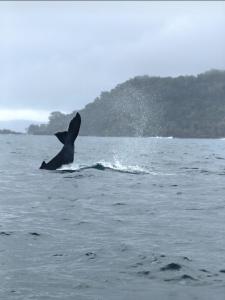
(61,55)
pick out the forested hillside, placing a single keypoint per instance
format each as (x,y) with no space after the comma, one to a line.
(185,106)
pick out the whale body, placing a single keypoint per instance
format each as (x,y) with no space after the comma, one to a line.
(67,138)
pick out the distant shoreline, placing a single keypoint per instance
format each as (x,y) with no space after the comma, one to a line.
(8,131)
(98,136)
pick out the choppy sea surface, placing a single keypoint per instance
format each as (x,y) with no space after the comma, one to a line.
(131,218)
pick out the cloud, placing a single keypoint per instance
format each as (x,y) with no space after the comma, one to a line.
(23,114)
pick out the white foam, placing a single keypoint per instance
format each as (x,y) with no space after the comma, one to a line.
(72,167)
(102,164)
(118,166)
(163,137)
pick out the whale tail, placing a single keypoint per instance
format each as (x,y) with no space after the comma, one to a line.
(43,165)
(62,136)
(72,133)
(65,156)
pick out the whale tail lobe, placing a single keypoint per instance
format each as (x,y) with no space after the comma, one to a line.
(43,165)
(62,136)
(72,133)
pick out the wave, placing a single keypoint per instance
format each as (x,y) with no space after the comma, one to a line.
(103,166)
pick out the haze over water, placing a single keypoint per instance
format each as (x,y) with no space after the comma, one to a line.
(131,218)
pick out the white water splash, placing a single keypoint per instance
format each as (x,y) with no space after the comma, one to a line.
(118,166)
(105,165)
(163,137)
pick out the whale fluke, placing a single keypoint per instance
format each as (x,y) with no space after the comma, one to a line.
(66,155)
(43,165)
(61,136)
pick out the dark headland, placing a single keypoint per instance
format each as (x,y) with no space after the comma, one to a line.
(184,106)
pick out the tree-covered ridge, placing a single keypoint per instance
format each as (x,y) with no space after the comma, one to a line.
(185,106)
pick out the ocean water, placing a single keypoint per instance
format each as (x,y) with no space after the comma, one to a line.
(131,218)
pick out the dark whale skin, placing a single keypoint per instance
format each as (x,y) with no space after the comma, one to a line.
(66,155)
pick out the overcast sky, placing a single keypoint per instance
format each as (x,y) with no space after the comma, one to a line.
(61,55)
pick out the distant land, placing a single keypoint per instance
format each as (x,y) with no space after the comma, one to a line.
(184,106)
(17,125)
(7,131)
